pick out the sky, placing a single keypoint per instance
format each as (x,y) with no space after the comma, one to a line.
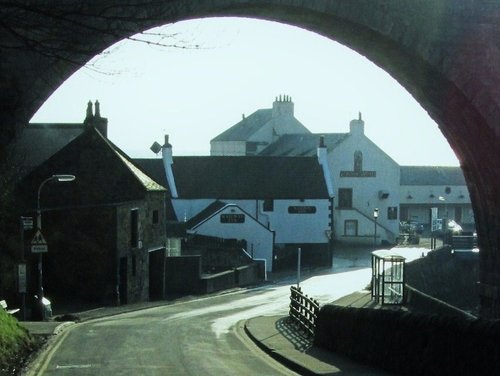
(229,67)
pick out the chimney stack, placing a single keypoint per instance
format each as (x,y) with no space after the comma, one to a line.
(357,126)
(283,106)
(95,120)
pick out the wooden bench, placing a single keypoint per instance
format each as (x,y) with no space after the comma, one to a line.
(3,304)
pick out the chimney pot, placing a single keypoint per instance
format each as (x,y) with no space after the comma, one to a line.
(167,144)
(322,141)
(97,109)
(90,113)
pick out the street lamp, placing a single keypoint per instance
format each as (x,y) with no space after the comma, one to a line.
(375,217)
(56,178)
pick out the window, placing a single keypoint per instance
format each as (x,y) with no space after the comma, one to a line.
(392,212)
(351,227)
(268,206)
(134,228)
(358,161)
(156,217)
(345,197)
(251,148)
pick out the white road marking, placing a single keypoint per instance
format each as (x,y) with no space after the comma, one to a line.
(72,366)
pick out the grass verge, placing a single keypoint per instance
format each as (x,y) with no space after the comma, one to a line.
(15,345)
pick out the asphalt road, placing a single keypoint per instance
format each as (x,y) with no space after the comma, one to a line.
(202,336)
(199,337)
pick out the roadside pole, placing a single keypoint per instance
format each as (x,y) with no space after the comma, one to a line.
(26,224)
(298,266)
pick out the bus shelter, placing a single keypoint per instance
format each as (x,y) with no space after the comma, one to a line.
(388,277)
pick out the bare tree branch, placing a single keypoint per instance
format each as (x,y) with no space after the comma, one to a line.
(41,28)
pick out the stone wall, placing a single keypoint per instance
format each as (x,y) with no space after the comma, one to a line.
(448,277)
(445,53)
(410,344)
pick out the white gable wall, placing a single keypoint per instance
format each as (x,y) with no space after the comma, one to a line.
(379,173)
(259,239)
(289,227)
(301,225)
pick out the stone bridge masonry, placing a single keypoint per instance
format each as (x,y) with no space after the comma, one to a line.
(446,53)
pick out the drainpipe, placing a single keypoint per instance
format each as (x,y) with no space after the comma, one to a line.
(323,161)
(168,161)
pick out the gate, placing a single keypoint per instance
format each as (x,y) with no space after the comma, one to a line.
(303,311)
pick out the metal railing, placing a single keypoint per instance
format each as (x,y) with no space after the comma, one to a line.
(303,311)
(464,242)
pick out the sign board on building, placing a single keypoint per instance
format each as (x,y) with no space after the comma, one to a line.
(232,218)
(38,244)
(358,174)
(302,209)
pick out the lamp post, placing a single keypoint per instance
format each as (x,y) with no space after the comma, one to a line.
(375,217)
(56,178)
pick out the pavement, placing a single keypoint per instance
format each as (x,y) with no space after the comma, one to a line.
(274,335)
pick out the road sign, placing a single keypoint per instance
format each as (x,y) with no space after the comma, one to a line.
(27,223)
(21,277)
(437,225)
(38,244)
(39,248)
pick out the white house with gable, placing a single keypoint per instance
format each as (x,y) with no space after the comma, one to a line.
(290,196)
(229,221)
(364,180)
(261,128)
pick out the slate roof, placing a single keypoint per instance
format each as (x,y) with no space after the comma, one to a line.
(302,144)
(431,175)
(39,141)
(206,213)
(243,130)
(242,177)
(153,167)
(104,174)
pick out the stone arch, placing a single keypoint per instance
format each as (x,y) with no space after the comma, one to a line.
(444,53)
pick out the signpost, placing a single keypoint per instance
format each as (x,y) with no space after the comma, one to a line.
(21,278)
(22,284)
